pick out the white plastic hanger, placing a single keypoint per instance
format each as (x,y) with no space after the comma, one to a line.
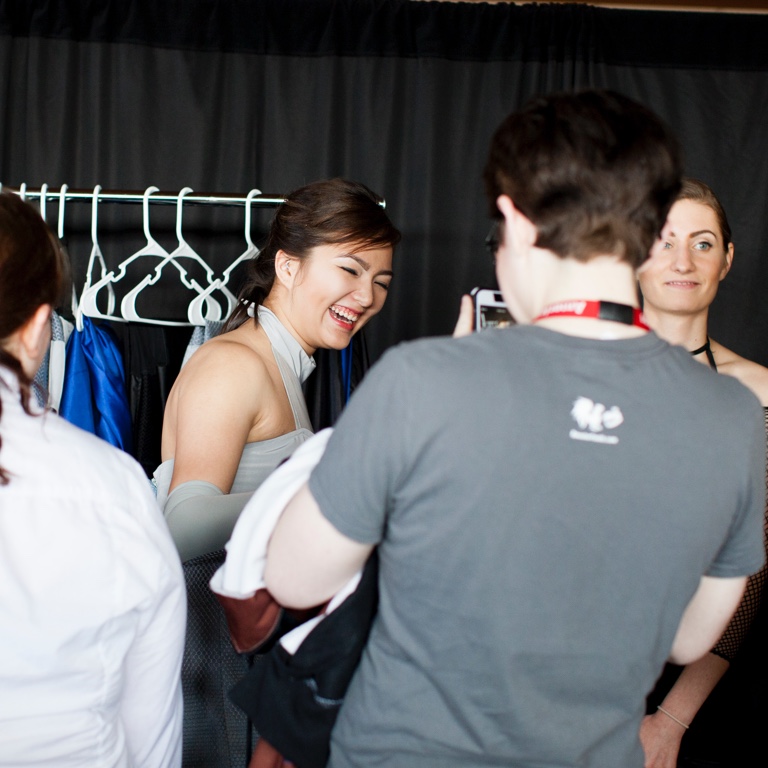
(87,304)
(62,203)
(43,200)
(182,251)
(60,233)
(195,311)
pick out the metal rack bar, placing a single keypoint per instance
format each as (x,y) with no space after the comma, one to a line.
(134,196)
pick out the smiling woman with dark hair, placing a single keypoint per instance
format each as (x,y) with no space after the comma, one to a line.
(236,409)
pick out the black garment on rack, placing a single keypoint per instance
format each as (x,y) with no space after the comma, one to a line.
(149,374)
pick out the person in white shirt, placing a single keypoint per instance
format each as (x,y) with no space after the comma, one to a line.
(92,599)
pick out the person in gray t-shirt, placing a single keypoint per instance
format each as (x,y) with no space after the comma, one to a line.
(551,518)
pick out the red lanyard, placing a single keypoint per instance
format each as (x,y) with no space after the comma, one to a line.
(602,310)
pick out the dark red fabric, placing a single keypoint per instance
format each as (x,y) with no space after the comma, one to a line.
(251,620)
(266,756)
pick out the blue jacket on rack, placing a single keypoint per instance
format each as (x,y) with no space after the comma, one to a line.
(94,396)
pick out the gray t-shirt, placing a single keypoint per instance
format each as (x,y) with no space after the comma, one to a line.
(544,507)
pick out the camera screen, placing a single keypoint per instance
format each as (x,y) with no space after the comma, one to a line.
(495,317)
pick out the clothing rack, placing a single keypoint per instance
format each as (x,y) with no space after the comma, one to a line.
(211,298)
(135,196)
(100,279)
(263,199)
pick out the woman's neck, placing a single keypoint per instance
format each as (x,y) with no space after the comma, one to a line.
(689,331)
(275,306)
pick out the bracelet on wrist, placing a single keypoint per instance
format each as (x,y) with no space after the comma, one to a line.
(672,717)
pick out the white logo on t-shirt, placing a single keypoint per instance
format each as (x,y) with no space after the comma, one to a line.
(592,419)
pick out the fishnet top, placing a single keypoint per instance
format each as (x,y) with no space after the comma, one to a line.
(729,644)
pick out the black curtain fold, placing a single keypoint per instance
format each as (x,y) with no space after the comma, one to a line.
(401,28)
(227,95)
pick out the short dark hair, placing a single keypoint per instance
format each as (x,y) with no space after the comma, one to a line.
(699,192)
(321,213)
(595,171)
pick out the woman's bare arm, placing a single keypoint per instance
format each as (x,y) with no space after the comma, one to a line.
(216,405)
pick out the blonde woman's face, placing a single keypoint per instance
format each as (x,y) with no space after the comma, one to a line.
(687,262)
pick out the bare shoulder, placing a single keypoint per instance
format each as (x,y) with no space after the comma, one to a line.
(222,361)
(224,382)
(749,373)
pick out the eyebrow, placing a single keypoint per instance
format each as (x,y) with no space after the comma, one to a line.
(365,265)
(696,234)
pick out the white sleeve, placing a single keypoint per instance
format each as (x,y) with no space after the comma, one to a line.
(151,703)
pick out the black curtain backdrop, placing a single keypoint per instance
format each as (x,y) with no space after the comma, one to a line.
(226,95)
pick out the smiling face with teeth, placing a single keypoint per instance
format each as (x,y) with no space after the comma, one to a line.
(333,292)
(687,262)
